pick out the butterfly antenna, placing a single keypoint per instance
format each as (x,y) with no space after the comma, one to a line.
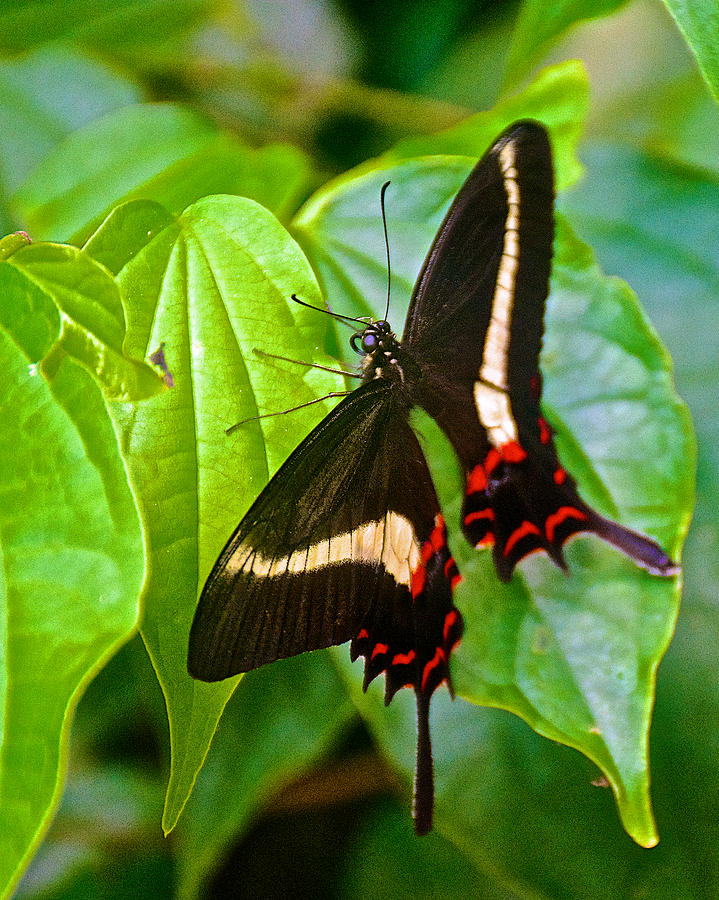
(329,312)
(386,243)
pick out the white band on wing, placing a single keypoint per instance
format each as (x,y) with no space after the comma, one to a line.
(390,542)
(490,394)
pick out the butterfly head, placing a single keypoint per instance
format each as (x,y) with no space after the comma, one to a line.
(380,348)
(372,338)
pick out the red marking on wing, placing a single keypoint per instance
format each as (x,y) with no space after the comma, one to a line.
(451,572)
(494,458)
(438,658)
(476,479)
(438,537)
(435,542)
(363,633)
(417,581)
(559,476)
(379,648)
(403,659)
(449,621)
(545,432)
(561,515)
(512,452)
(524,529)
(486,541)
(479,514)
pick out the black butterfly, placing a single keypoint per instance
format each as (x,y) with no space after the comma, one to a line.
(347,541)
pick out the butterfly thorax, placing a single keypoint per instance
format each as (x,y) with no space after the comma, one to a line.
(383,356)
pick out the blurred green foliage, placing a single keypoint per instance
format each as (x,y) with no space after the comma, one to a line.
(268,101)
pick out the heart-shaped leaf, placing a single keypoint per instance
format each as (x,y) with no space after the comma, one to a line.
(534,646)
(211,285)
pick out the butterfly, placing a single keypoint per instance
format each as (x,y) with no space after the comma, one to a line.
(347,541)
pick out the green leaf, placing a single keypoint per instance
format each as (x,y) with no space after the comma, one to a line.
(558,97)
(539,24)
(279,720)
(127,22)
(26,310)
(654,221)
(116,782)
(698,21)
(211,285)
(12,242)
(575,657)
(73,565)
(528,811)
(657,221)
(159,152)
(423,870)
(93,321)
(43,97)
(585,649)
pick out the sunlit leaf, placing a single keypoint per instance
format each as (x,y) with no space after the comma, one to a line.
(73,566)
(212,285)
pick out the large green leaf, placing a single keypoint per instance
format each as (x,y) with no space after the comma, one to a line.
(698,21)
(575,657)
(162,152)
(211,285)
(541,823)
(73,562)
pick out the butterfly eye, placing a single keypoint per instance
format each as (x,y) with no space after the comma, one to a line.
(369,342)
